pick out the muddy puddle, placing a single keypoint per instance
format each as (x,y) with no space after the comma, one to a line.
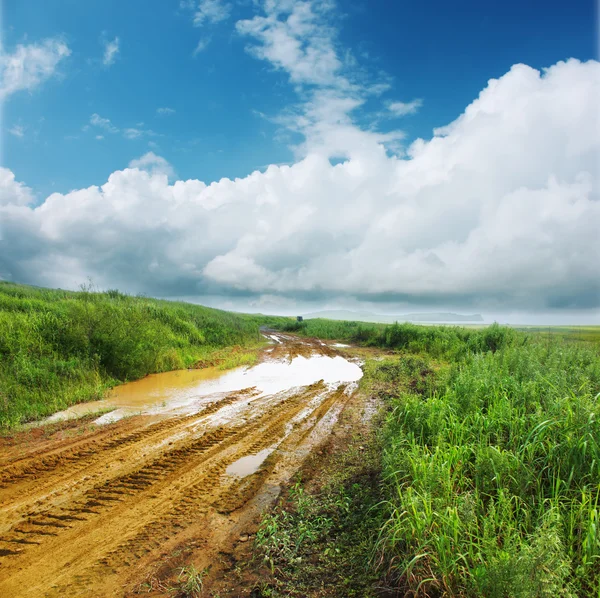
(183,392)
(248,465)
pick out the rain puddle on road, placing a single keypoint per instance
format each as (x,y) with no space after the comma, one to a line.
(248,465)
(184,391)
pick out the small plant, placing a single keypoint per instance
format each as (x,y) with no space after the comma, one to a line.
(190,582)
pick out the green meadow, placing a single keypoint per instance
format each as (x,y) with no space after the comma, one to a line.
(488,461)
(58,347)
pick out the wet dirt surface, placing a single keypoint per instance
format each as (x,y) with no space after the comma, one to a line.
(96,510)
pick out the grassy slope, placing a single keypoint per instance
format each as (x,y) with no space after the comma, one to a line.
(58,347)
(490,462)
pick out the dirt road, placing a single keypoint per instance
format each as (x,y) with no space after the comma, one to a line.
(95,511)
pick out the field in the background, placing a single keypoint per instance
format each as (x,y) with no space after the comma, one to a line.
(568,333)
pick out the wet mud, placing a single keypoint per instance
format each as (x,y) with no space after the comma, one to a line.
(97,510)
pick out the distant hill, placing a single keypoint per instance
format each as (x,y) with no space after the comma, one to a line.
(365,316)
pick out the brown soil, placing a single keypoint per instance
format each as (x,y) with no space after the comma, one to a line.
(112,510)
(241,572)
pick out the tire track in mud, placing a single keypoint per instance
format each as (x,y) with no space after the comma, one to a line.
(93,449)
(202,461)
(118,519)
(38,525)
(215,491)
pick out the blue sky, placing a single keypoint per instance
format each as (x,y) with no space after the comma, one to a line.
(440,52)
(292,155)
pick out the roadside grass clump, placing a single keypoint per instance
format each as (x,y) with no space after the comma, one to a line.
(58,347)
(492,474)
(319,542)
(190,582)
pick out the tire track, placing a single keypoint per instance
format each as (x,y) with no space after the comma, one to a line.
(96,448)
(38,527)
(98,511)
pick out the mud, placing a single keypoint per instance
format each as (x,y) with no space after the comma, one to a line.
(98,510)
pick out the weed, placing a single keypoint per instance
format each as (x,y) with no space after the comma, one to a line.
(190,582)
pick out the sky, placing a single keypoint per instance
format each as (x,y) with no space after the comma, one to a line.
(287,156)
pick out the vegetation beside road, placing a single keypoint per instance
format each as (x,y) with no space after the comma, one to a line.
(58,347)
(489,467)
(481,477)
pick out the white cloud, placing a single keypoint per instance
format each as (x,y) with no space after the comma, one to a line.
(12,193)
(296,38)
(17,131)
(405,108)
(201,46)
(30,65)
(132,133)
(99,137)
(299,39)
(128,133)
(153,164)
(500,207)
(111,51)
(135,133)
(211,11)
(104,123)
(165,111)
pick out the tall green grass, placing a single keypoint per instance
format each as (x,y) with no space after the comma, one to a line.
(492,471)
(58,347)
(449,341)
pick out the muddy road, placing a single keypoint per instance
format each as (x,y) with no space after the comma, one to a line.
(96,510)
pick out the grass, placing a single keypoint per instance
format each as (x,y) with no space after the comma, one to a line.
(578,334)
(490,464)
(451,342)
(319,541)
(58,348)
(190,582)
(492,473)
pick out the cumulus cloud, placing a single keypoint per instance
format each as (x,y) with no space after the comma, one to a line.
(500,207)
(111,51)
(30,65)
(13,193)
(405,108)
(153,164)
(165,111)
(296,37)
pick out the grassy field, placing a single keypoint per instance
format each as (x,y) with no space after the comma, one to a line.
(489,462)
(58,348)
(482,477)
(580,334)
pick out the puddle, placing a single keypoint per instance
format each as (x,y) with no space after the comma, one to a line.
(248,465)
(185,391)
(153,391)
